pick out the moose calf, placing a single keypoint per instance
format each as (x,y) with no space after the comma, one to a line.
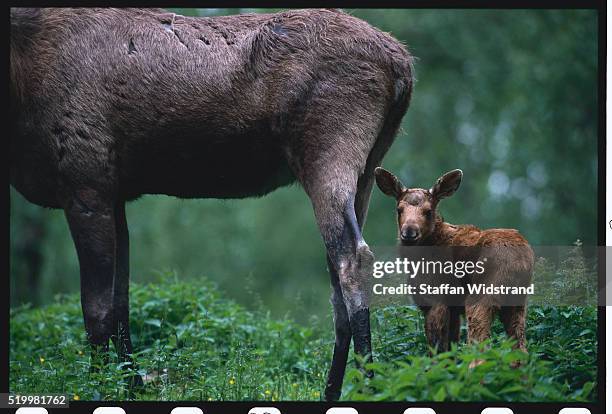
(509,262)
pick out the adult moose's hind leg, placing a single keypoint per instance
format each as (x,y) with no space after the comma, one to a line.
(91,220)
(341,317)
(350,261)
(343,337)
(330,156)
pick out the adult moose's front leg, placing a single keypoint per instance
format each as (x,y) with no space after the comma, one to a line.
(91,220)
(121,333)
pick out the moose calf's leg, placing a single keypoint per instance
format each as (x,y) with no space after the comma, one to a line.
(343,338)
(92,225)
(437,321)
(479,318)
(513,318)
(454,329)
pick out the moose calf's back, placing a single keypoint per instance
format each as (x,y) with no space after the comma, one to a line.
(505,244)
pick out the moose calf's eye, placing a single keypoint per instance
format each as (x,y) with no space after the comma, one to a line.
(428,213)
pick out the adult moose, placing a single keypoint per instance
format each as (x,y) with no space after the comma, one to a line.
(110,104)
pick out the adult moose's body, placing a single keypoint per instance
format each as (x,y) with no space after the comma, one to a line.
(109,104)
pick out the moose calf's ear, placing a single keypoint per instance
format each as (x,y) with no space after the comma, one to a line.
(388,183)
(446,185)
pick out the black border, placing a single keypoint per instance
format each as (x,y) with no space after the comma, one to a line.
(321,407)
(362,407)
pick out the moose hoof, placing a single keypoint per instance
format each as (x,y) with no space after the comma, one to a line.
(332,396)
(135,382)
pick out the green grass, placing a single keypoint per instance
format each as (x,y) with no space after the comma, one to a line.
(561,365)
(198,345)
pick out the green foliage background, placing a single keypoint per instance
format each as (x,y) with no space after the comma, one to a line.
(509,96)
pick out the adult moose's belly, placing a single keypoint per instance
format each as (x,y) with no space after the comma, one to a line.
(203,166)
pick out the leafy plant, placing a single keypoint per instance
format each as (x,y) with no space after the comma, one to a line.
(194,344)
